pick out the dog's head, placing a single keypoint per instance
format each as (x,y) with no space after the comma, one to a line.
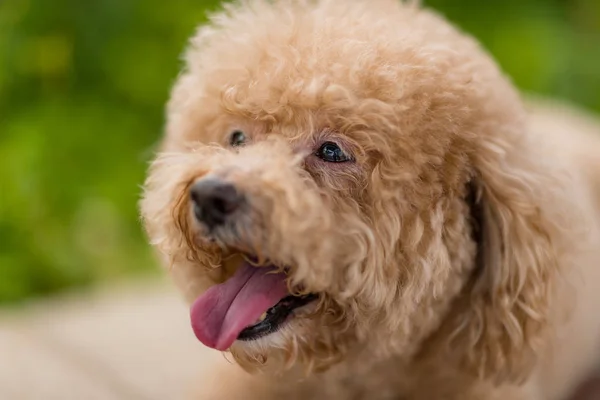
(346,174)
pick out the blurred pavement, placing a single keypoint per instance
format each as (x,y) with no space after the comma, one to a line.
(129,342)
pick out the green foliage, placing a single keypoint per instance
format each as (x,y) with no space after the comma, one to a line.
(82,90)
(547,46)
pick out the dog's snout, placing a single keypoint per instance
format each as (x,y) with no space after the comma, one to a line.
(214,201)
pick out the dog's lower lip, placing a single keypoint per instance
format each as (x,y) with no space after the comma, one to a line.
(275,317)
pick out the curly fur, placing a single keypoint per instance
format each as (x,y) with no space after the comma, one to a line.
(419,297)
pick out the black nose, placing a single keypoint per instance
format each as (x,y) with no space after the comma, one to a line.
(214,201)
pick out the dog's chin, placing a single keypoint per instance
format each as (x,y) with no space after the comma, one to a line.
(252,309)
(281,351)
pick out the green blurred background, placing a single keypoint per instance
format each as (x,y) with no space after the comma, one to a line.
(82,90)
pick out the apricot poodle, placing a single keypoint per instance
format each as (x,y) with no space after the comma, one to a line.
(358,205)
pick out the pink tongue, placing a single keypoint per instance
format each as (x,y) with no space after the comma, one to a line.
(223,311)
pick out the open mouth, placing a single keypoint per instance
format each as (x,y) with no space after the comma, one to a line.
(271,320)
(253,303)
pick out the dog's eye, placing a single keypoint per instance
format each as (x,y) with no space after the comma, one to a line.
(331,152)
(237,138)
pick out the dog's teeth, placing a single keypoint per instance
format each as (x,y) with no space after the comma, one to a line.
(262,317)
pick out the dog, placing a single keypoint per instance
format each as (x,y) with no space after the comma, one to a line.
(358,204)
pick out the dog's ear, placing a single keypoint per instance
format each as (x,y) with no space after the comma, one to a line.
(506,309)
